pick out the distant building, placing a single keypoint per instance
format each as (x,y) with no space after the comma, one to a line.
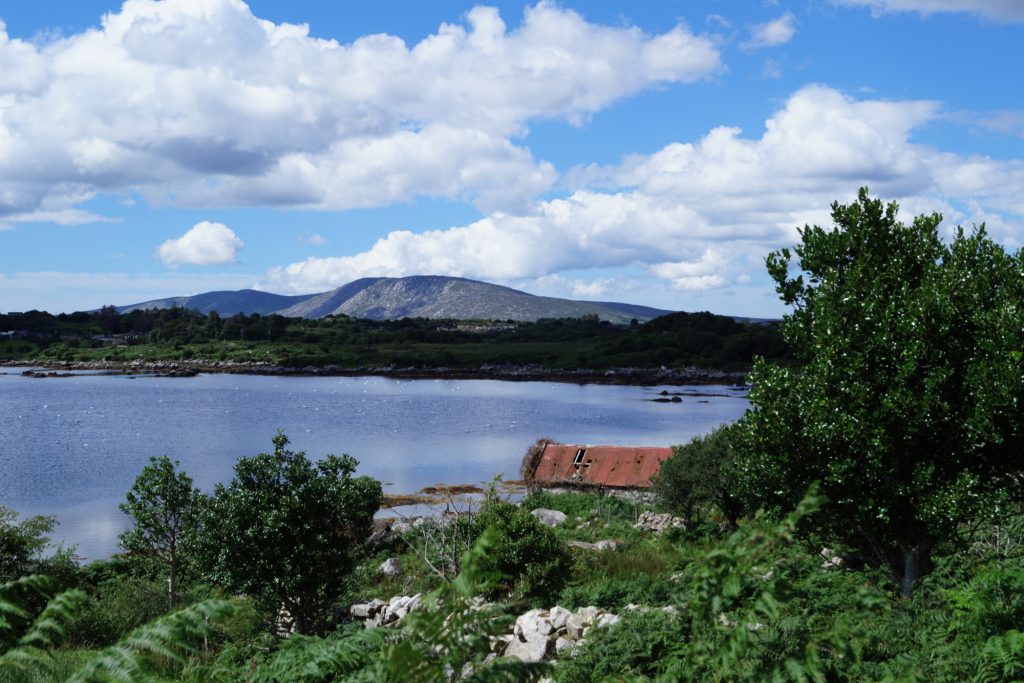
(557,464)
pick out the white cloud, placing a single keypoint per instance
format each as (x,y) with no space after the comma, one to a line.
(699,214)
(203,103)
(204,245)
(313,240)
(704,273)
(999,10)
(771,33)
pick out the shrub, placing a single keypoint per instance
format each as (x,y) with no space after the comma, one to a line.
(699,475)
(528,555)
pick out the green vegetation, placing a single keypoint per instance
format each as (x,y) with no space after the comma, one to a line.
(700,475)
(284,530)
(677,340)
(907,402)
(888,545)
(164,506)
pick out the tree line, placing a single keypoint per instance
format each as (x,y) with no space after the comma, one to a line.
(678,339)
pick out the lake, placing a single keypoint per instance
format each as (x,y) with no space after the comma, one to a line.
(72,447)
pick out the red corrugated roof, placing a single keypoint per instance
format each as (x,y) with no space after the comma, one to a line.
(618,466)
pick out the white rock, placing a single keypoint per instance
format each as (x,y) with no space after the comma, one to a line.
(549,517)
(534,649)
(586,615)
(830,560)
(600,545)
(563,644)
(606,620)
(559,618)
(360,610)
(574,627)
(535,621)
(391,567)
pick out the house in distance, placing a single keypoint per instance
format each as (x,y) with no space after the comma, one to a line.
(620,467)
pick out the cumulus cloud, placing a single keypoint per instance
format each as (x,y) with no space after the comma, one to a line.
(203,103)
(205,244)
(998,10)
(771,33)
(699,214)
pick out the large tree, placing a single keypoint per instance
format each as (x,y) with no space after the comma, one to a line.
(908,402)
(165,507)
(285,531)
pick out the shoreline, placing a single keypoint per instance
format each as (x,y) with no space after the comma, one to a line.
(513,373)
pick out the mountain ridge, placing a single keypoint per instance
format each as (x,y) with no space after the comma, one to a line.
(416,296)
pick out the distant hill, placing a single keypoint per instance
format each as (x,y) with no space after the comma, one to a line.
(420,296)
(246,301)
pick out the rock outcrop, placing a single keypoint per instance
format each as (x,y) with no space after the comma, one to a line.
(652,521)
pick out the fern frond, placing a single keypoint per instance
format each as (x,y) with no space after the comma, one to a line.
(13,615)
(174,637)
(1002,658)
(311,660)
(48,629)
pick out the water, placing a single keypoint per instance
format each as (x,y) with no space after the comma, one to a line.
(72,447)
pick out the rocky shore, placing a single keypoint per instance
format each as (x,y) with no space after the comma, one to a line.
(522,373)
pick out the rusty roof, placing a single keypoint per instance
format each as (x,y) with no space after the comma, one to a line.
(616,466)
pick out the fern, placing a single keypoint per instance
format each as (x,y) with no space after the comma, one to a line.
(172,637)
(305,659)
(26,644)
(1002,659)
(448,639)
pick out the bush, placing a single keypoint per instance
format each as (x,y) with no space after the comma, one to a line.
(699,475)
(286,530)
(116,606)
(528,555)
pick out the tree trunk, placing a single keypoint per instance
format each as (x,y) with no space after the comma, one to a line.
(172,587)
(916,560)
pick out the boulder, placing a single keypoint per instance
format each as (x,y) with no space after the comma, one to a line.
(606,620)
(549,517)
(365,610)
(587,615)
(574,627)
(559,618)
(534,649)
(562,644)
(535,621)
(391,567)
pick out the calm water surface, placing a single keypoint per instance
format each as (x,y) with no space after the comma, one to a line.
(72,447)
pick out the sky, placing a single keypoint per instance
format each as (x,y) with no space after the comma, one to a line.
(650,152)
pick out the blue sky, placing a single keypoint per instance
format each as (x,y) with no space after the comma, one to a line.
(652,152)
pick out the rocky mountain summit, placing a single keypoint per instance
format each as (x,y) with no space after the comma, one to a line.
(420,296)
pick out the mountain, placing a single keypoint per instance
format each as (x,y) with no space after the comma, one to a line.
(226,303)
(420,296)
